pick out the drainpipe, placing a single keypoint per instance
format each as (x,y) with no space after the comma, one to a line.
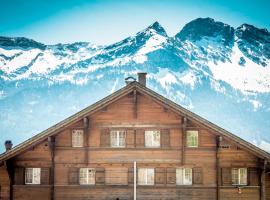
(135,179)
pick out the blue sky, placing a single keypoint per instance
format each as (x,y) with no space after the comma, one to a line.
(108,21)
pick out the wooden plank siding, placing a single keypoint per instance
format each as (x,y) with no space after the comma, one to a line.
(108,161)
(267,186)
(4,184)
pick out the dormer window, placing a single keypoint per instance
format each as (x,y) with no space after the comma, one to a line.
(77,138)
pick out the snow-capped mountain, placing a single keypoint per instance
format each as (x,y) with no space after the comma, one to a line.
(209,67)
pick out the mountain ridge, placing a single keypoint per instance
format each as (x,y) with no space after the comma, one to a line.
(230,66)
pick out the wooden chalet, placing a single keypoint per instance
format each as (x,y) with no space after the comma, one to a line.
(134,144)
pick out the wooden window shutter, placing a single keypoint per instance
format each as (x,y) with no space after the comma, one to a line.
(131,176)
(130,139)
(45,176)
(197,175)
(73,176)
(171,176)
(165,138)
(105,139)
(139,138)
(19,176)
(160,177)
(226,176)
(253,176)
(100,176)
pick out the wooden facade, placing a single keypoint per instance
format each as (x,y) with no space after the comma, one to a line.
(131,112)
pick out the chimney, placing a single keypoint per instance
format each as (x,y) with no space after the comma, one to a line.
(142,78)
(8,145)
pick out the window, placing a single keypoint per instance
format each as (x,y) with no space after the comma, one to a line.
(152,138)
(32,175)
(239,176)
(118,138)
(184,176)
(146,176)
(77,138)
(87,176)
(192,139)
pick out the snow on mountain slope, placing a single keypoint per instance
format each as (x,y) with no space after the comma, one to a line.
(209,67)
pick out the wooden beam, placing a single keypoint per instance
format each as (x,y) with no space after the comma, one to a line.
(10,169)
(86,137)
(51,142)
(262,193)
(218,171)
(135,104)
(184,126)
(138,125)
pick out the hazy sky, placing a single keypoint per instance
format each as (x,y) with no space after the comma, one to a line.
(108,21)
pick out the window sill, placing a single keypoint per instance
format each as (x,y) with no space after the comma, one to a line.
(240,186)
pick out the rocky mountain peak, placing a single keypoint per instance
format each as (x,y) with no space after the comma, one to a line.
(20,42)
(206,27)
(254,43)
(157,28)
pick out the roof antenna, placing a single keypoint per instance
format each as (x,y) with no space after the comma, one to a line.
(129,80)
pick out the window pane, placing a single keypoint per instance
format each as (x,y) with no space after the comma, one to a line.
(150,176)
(32,175)
(142,176)
(188,176)
(114,142)
(28,175)
(184,176)
(118,138)
(179,176)
(192,139)
(146,176)
(77,138)
(235,176)
(152,138)
(83,176)
(243,176)
(122,138)
(87,176)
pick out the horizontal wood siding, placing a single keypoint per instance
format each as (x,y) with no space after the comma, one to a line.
(233,193)
(126,192)
(28,192)
(4,184)
(267,187)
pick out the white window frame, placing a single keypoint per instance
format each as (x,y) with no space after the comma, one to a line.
(192,138)
(32,176)
(144,176)
(149,137)
(118,138)
(87,176)
(241,179)
(184,176)
(77,138)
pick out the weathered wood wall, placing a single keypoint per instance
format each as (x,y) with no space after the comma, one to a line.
(149,115)
(4,184)
(267,187)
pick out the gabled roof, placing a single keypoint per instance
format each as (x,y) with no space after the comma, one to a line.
(117,95)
